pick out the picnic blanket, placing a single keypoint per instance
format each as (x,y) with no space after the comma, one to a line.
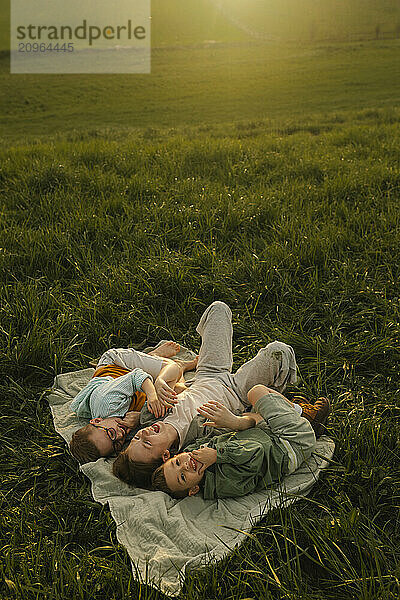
(164,537)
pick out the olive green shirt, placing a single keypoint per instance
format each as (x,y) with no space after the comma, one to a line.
(247,461)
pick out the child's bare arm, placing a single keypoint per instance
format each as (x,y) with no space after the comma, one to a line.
(248,421)
(218,415)
(168,377)
(154,404)
(162,396)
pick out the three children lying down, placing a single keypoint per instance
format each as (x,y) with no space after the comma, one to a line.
(260,447)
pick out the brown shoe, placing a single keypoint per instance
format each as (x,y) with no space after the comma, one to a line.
(316,413)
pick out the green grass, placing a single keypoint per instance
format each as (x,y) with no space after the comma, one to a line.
(121,236)
(204,86)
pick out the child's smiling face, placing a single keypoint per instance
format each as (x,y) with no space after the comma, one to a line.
(108,434)
(149,444)
(183,472)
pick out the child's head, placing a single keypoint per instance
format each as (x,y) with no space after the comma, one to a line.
(101,437)
(82,447)
(179,476)
(134,473)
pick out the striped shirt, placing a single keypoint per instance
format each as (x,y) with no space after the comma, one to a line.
(108,397)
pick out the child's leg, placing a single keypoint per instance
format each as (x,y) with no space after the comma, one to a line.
(283,420)
(187,365)
(258,391)
(132,359)
(215,328)
(274,365)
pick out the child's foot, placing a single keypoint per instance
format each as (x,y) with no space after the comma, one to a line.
(316,413)
(188,365)
(166,350)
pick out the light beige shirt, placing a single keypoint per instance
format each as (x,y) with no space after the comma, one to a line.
(201,391)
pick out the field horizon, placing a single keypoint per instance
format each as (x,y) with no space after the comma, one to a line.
(243,20)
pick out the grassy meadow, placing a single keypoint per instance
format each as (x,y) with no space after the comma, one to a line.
(120,239)
(203,85)
(264,174)
(212,65)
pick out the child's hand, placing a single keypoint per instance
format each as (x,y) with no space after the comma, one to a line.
(155,406)
(218,415)
(205,455)
(131,419)
(166,395)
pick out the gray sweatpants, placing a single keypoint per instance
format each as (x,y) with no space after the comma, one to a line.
(273,366)
(129,358)
(293,432)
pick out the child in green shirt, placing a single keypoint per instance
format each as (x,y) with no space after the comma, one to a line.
(269,443)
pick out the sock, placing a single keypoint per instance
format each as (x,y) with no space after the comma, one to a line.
(298,409)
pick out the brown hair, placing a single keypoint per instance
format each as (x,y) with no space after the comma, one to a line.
(159,482)
(134,473)
(82,447)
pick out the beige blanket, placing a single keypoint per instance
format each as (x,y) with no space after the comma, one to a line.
(164,537)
